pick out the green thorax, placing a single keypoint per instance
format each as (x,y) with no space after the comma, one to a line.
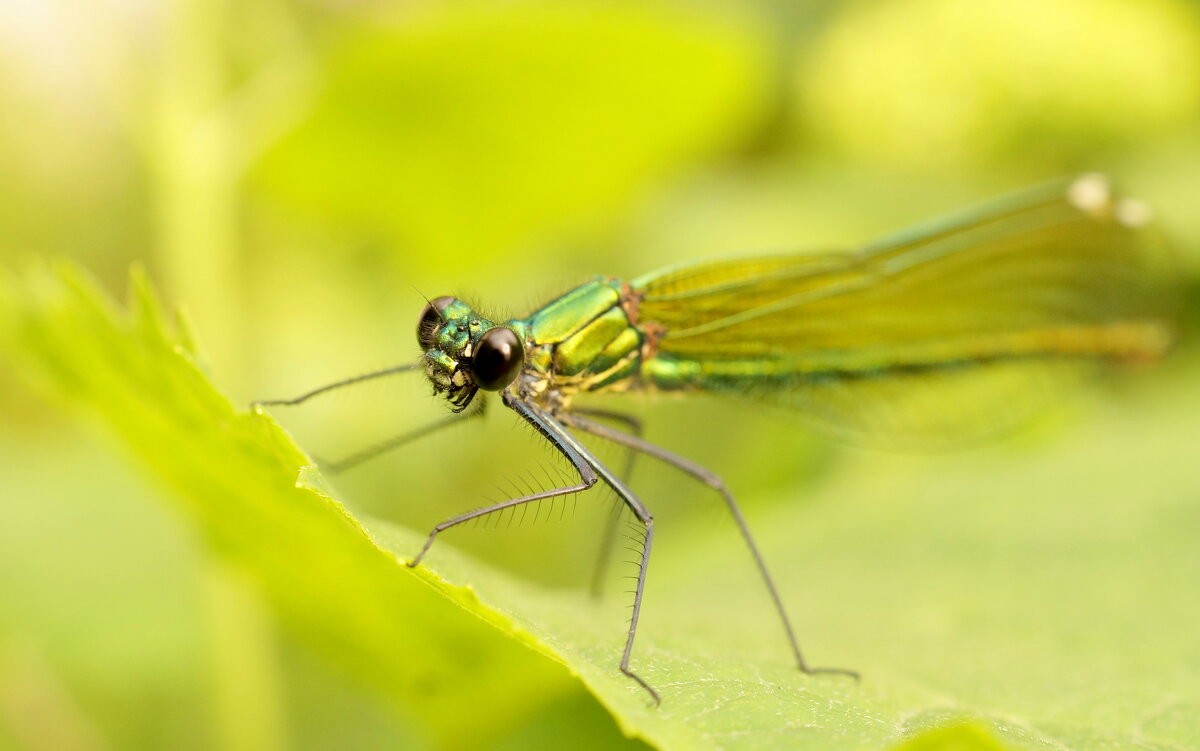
(582,341)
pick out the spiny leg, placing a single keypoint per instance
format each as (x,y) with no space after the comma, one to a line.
(580,486)
(587,476)
(643,565)
(556,433)
(713,481)
(613,523)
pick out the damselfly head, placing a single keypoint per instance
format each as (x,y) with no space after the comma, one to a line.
(465,352)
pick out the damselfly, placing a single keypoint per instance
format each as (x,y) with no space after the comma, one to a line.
(948,330)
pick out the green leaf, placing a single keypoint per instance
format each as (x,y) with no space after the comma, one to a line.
(1036,597)
(954,738)
(235,477)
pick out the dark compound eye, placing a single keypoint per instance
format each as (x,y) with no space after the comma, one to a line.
(497,359)
(431,316)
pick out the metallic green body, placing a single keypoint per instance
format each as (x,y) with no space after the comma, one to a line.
(589,340)
(996,308)
(672,373)
(948,332)
(564,317)
(582,341)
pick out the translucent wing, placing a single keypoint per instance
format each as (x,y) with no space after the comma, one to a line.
(945,332)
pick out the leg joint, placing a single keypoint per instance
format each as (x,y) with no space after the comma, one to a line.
(588,477)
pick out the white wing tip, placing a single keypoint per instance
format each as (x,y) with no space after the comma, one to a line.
(1092,193)
(1133,212)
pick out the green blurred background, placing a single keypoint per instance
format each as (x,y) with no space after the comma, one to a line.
(297,175)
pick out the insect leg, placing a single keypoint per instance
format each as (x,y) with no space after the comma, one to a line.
(587,477)
(539,421)
(336,385)
(713,481)
(396,441)
(614,520)
(556,433)
(632,423)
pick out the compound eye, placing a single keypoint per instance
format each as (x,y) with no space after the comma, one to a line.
(431,316)
(497,360)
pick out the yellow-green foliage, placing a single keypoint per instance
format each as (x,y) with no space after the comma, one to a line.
(175,574)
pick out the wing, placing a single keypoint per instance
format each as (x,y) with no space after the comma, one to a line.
(947,331)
